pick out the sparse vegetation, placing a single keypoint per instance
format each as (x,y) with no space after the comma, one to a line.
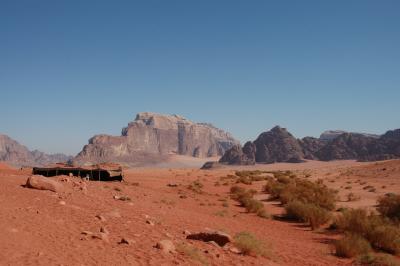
(351,245)
(196,186)
(381,233)
(376,260)
(389,206)
(249,244)
(352,197)
(245,198)
(308,213)
(193,253)
(302,190)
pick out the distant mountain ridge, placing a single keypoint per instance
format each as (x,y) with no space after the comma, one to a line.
(152,137)
(17,154)
(278,145)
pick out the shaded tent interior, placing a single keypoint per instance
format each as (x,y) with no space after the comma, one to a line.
(93,174)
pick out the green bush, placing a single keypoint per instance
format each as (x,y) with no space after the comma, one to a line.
(351,245)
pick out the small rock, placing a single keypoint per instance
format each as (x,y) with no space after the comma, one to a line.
(43,183)
(214,244)
(235,250)
(186,232)
(101,218)
(126,241)
(168,235)
(166,246)
(101,236)
(104,230)
(150,222)
(218,237)
(86,233)
(61,202)
(172,185)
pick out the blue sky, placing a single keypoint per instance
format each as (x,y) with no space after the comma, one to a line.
(72,69)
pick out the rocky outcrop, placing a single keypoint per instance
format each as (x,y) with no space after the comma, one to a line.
(332,134)
(16,154)
(151,137)
(278,145)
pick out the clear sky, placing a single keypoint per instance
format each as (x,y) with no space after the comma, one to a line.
(72,69)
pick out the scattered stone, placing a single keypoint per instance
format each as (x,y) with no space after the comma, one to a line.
(126,241)
(101,218)
(104,230)
(88,233)
(235,250)
(166,246)
(61,202)
(218,237)
(123,198)
(43,183)
(150,222)
(172,185)
(101,236)
(186,232)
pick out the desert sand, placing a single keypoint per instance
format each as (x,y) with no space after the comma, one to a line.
(47,228)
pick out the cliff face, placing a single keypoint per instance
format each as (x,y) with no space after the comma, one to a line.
(16,154)
(153,136)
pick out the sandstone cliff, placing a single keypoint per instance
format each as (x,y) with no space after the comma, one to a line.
(152,137)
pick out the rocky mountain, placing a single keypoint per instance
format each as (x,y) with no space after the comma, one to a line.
(332,134)
(278,145)
(16,154)
(152,137)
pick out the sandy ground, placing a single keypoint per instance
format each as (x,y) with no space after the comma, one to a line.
(45,228)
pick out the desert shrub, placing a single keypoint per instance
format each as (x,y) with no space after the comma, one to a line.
(196,186)
(386,237)
(253,205)
(351,245)
(193,253)
(379,231)
(302,190)
(274,188)
(376,260)
(309,192)
(307,212)
(244,180)
(245,198)
(249,244)
(352,197)
(389,206)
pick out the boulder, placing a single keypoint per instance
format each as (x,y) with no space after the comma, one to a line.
(218,237)
(43,183)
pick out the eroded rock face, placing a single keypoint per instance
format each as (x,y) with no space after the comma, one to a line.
(151,136)
(278,145)
(16,154)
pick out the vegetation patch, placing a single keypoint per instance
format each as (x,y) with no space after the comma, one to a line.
(249,244)
(352,245)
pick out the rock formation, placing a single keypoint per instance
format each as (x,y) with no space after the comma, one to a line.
(16,154)
(278,145)
(152,137)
